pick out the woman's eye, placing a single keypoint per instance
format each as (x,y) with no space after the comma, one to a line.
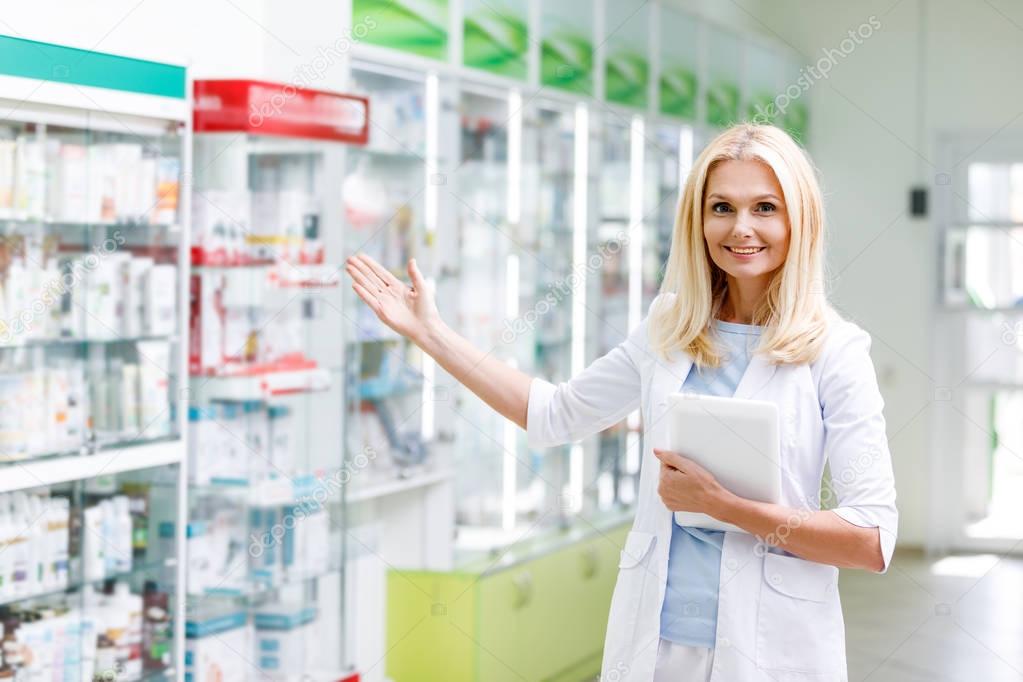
(765,207)
(720,208)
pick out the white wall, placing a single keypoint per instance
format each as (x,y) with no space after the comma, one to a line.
(872,142)
(213,38)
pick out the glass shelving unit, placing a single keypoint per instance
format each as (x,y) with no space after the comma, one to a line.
(390,418)
(552,174)
(514,183)
(489,258)
(610,248)
(268,468)
(978,332)
(92,260)
(668,157)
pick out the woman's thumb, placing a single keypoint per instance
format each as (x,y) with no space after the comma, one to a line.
(418,282)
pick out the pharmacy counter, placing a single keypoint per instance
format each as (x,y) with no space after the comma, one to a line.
(536,610)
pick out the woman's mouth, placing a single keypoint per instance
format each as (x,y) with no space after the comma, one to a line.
(745,250)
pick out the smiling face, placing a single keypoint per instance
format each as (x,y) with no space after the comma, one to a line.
(745,222)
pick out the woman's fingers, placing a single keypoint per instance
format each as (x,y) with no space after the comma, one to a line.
(382,273)
(671,459)
(360,277)
(367,297)
(370,280)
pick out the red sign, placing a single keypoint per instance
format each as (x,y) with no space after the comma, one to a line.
(279,109)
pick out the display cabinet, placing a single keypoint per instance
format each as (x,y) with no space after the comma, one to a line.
(390,406)
(538,611)
(513,193)
(977,336)
(667,159)
(610,249)
(269,471)
(93,238)
(555,173)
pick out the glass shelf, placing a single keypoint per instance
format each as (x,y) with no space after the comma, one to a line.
(30,342)
(256,586)
(148,570)
(269,390)
(99,444)
(389,423)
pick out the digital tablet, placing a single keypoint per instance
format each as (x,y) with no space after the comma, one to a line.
(736,440)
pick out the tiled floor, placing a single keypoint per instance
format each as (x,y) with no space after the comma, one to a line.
(960,618)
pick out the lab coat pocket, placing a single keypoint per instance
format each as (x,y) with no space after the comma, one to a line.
(799,620)
(634,575)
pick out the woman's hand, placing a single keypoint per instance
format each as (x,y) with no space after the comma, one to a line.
(410,311)
(686,486)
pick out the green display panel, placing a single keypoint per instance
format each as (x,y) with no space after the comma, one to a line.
(416,26)
(496,37)
(797,120)
(541,618)
(46,61)
(723,80)
(793,107)
(627,70)
(764,77)
(566,48)
(678,85)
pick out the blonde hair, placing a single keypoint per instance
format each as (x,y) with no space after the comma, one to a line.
(794,309)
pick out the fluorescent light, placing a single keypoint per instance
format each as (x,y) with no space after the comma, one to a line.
(511,286)
(575,478)
(579,229)
(429,377)
(637,142)
(514,157)
(432,127)
(430,226)
(685,154)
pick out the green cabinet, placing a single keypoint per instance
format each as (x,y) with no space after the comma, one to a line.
(537,612)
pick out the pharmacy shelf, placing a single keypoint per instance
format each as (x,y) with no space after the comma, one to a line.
(259,586)
(399,485)
(51,471)
(145,568)
(281,274)
(259,387)
(75,341)
(277,492)
(87,224)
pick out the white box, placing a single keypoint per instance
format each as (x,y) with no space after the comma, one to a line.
(216,647)
(134,277)
(286,637)
(161,300)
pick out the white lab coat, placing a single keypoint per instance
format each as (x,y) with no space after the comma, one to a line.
(779,617)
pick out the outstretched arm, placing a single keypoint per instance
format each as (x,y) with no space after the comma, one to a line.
(412,312)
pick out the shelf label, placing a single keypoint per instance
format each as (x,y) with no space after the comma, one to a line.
(280,109)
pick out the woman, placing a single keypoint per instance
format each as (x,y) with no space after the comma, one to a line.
(742,312)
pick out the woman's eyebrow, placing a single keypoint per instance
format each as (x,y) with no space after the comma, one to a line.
(760,197)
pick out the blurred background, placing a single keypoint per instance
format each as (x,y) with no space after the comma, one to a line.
(223,468)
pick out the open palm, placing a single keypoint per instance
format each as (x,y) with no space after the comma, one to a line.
(408,310)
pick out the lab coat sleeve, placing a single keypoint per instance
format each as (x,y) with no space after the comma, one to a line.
(855,440)
(598,397)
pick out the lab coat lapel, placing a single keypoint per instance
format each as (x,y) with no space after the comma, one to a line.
(758,373)
(668,377)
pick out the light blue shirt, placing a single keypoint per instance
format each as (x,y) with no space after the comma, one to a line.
(689,614)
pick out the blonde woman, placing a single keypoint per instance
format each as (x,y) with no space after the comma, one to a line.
(742,312)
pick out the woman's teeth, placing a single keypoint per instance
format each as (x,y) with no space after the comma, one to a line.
(746,251)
